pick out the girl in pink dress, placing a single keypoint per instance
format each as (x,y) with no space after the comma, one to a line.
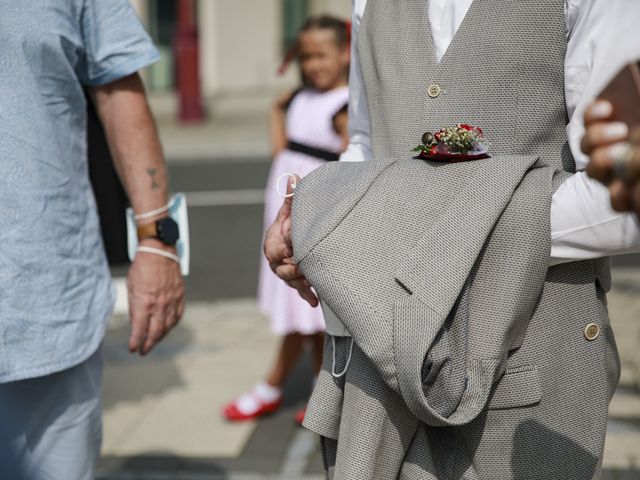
(309,128)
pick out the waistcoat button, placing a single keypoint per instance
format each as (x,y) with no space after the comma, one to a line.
(591,332)
(434,91)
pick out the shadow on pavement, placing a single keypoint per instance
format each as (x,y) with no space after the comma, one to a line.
(123,381)
(263,454)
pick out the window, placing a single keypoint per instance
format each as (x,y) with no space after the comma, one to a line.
(162,24)
(295,13)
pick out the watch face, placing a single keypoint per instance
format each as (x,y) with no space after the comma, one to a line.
(168,232)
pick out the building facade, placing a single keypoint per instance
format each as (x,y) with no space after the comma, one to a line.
(241,42)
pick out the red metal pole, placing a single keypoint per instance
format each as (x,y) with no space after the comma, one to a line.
(186,51)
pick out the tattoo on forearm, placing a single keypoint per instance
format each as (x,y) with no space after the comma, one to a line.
(152,173)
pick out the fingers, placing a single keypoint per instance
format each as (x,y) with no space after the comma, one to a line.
(285,210)
(168,312)
(287,271)
(602,134)
(156,300)
(139,327)
(156,332)
(279,250)
(165,315)
(598,111)
(304,290)
(601,165)
(286,235)
(147,324)
(621,196)
(180,309)
(275,248)
(277,244)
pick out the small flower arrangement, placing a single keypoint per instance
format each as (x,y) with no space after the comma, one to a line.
(462,141)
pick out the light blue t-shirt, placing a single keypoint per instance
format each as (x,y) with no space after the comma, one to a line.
(56,294)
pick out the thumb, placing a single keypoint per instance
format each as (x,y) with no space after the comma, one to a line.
(285,210)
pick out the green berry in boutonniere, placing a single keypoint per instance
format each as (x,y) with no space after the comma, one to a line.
(460,142)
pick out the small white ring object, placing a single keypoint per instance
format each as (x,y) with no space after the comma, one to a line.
(333,366)
(157,251)
(279,191)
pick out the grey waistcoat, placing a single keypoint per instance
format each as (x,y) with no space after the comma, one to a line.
(471,359)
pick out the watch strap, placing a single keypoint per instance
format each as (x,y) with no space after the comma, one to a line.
(150,230)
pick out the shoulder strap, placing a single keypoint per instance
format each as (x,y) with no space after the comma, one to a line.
(293,95)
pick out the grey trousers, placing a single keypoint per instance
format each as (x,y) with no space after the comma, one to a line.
(53,424)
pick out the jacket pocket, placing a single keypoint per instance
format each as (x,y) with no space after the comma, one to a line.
(518,387)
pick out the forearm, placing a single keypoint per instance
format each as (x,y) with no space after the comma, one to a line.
(133,141)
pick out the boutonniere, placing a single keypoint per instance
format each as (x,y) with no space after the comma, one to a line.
(459,143)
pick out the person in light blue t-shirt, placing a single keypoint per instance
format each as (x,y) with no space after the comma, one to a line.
(56,294)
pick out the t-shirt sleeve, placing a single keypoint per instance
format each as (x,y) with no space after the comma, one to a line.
(115,42)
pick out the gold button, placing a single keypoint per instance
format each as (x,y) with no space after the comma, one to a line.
(434,90)
(591,332)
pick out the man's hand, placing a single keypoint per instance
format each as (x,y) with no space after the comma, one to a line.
(156,299)
(607,141)
(156,289)
(279,251)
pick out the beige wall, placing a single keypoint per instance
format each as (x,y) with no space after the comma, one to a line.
(240,44)
(339,8)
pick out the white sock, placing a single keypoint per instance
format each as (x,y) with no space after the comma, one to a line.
(249,403)
(266,392)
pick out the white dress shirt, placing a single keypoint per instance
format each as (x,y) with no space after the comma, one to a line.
(602,36)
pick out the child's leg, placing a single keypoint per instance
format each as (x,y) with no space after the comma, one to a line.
(317,348)
(266,396)
(316,341)
(288,354)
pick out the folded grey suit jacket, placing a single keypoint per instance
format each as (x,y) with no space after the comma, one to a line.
(434,268)
(472,360)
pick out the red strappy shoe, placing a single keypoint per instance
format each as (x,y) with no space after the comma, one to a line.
(299,416)
(234,413)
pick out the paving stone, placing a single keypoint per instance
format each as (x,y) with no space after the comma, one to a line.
(162,413)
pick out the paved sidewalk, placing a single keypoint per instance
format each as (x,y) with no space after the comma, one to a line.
(236,128)
(162,413)
(623,441)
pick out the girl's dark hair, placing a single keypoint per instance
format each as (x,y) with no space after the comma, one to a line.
(326,22)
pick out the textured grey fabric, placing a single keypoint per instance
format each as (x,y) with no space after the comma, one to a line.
(470,359)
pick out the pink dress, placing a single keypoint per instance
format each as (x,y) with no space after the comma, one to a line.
(309,123)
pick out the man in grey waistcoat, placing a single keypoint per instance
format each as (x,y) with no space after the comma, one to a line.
(467,321)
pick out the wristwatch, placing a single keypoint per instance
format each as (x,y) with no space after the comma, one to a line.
(166,230)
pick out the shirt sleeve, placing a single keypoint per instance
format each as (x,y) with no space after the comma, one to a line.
(359,148)
(115,42)
(583,225)
(602,38)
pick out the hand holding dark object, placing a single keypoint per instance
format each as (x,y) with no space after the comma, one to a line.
(615,155)
(279,251)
